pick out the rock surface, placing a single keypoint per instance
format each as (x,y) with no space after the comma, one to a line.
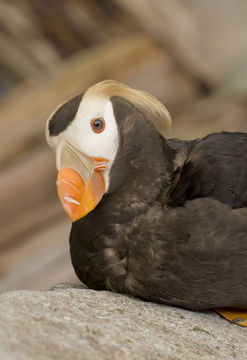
(73,323)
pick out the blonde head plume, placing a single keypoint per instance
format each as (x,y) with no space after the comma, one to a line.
(155,111)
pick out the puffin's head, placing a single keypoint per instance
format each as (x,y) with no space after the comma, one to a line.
(86,135)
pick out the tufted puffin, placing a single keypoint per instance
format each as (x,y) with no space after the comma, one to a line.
(163,220)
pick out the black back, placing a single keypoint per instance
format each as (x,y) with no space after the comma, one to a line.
(217,167)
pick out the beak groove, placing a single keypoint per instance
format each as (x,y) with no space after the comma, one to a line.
(71,200)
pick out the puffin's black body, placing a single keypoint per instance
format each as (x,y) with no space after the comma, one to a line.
(172,227)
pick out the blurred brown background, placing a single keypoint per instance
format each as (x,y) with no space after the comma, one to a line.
(191,54)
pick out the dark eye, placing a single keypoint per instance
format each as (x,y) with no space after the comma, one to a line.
(98,125)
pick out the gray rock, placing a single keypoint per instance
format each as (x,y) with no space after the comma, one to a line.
(73,323)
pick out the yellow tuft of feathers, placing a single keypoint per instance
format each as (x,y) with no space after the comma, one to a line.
(155,111)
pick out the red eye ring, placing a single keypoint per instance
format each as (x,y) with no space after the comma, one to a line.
(98,125)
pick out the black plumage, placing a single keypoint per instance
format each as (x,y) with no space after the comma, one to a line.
(172,227)
(61,119)
(216,166)
(170,233)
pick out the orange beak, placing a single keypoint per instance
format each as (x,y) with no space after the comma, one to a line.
(80,181)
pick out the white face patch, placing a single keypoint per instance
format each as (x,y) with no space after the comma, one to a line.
(81,135)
